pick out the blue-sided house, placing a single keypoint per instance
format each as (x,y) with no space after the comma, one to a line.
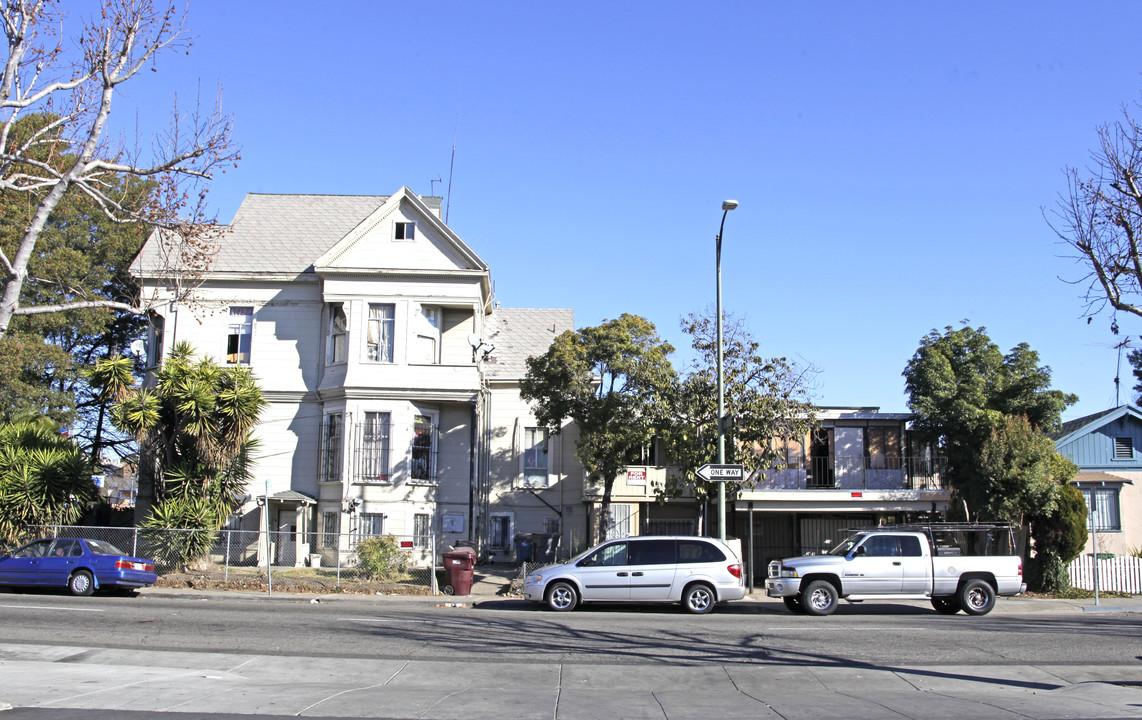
(1107,447)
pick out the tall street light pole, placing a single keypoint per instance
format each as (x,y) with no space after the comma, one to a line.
(726,207)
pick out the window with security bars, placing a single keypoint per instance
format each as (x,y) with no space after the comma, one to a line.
(421,530)
(1123,448)
(1103,506)
(373,448)
(330,451)
(422,463)
(329,529)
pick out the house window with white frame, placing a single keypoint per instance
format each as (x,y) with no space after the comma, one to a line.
(427,349)
(535,463)
(382,317)
(338,333)
(404,231)
(422,463)
(370,525)
(618,521)
(374,448)
(1103,507)
(239,335)
(422,530)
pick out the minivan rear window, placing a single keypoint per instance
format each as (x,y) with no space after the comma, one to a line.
(698,551)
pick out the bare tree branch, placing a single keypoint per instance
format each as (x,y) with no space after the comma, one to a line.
(73,88)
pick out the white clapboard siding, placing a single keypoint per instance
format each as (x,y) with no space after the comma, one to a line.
(1122,574)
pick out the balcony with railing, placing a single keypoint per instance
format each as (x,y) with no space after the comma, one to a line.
(879,472)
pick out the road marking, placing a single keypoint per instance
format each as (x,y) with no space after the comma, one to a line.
(407,621)
(44,607)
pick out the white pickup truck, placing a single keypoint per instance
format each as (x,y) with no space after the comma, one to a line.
(958,566)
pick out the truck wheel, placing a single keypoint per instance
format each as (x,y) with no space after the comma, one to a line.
(793,603)
(561,597)
(819,598)
(946,605)
(977,597)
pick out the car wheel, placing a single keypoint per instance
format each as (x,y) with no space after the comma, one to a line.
(819,598)
(946,605)
(699,599)
(793,603)
(561,597)
(81,583)
(977,597)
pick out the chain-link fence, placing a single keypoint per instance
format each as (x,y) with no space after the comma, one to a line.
(298,562)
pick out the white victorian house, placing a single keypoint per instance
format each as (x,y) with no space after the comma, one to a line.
(392,378)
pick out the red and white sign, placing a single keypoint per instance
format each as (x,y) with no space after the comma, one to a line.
(636,477)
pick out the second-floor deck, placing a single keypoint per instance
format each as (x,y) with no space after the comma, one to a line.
(858,473)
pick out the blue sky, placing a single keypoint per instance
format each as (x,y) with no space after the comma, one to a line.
(892,160)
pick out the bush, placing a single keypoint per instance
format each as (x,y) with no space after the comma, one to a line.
(381,558)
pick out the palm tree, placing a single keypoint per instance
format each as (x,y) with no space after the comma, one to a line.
(45,478)
(194,426)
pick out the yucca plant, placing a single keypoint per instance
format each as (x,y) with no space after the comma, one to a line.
(45,479)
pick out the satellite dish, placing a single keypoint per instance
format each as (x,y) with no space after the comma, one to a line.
(475,341)
(137,348)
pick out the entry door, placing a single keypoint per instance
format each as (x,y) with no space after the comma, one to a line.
(875,566)
(605,573)
(22,568)
(287,544)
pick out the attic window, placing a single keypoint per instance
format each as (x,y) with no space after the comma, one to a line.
(404,231)
(1123,448)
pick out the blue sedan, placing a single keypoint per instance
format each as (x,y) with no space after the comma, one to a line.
(82,566)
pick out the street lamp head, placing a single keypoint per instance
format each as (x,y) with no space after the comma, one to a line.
(729,204)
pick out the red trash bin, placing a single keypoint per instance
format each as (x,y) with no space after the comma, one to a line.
(458,567)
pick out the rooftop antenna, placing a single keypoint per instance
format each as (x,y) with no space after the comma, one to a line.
(451,167)
(432,185)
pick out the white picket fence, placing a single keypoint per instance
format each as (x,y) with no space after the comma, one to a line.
(1123,574)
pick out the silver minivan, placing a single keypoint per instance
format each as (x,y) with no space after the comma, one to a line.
(698,572)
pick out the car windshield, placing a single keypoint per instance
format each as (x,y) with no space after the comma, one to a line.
(849,543)
(100,547)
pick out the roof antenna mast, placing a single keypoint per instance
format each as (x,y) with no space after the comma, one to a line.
(451,167)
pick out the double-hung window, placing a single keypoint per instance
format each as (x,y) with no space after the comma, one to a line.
(375,448)
(380,340)
(329,529)
(338,333)
(239,335)
(155,323)
(535,466)
(428,335)
(370,525)
(423,459)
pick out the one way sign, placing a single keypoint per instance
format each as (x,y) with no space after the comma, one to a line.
(720,473)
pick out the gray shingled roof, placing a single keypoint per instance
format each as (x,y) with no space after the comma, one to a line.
(519,333)
(285,233)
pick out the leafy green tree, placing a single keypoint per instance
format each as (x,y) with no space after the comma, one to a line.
(766,398)
(614,381)
(1016,472)
(194,426)
(962,389)
(45,478)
